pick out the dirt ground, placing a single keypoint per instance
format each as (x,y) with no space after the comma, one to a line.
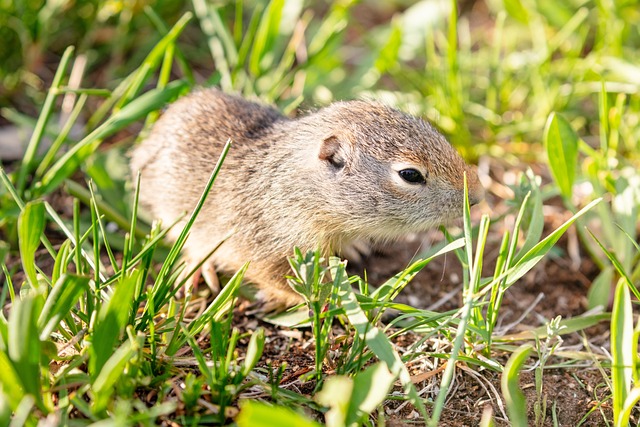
(552,290)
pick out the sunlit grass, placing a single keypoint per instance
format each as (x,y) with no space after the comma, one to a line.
(95,325)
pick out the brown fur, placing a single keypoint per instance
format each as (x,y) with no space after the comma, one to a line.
(320,181)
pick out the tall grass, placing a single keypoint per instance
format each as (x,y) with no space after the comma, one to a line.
(95,331)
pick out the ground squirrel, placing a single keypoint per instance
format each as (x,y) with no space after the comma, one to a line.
(351,171)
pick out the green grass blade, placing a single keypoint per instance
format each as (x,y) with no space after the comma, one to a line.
(21,204)
(375,339)
(631,239)
(258,414)
(339,385)
(535,215)
(600,288)
(513,396)
(110,373)
(31,224)
(218,308)
(88,197)
(622,348)
(238,25)
(207,372)
(72,237)
(97,207)
(331,27)
(535,254)
(359,396)
(209,23)
(134,220)
(630,404)
(254,352)
(62,136)
(394,285)
(63,296)
(561,143)
(370,388)
(174,254)
(110,323)
(43,118)
(517,11)
(10,382)
(247,42)
(265,36)
(163,29)
(603,110)
(152,61)
(617,265)
(25,348)
(135,110)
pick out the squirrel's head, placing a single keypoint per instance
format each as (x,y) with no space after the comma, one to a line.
(390,173)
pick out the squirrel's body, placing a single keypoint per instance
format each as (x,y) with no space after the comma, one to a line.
(320,181)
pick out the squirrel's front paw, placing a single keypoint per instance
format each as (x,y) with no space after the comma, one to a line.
(208,272)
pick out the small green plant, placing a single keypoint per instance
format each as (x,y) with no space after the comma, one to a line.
(545,350)
(224,375)
(484,295)
(320,296)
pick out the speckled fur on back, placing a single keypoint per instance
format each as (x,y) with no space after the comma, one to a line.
(320,181)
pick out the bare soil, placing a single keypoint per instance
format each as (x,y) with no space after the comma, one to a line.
(574,395)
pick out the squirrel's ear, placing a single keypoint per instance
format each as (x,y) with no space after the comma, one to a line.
(331,151)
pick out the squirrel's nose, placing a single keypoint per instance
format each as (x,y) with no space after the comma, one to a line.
(476,192)
(476,196)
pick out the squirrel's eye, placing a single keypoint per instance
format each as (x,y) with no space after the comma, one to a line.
(412,176)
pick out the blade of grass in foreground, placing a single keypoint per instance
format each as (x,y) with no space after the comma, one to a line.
(30,227)
(43,118)
(24,345)
(535,254)
(629,405)
(104,384)
(360,395)
(12,390)
(4,179)
(470,277)
(214,312)
(161,288)
(110,323)
(622,348)
(63,296)
(617,265)
(375,339)
(258,414)
(513,396)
